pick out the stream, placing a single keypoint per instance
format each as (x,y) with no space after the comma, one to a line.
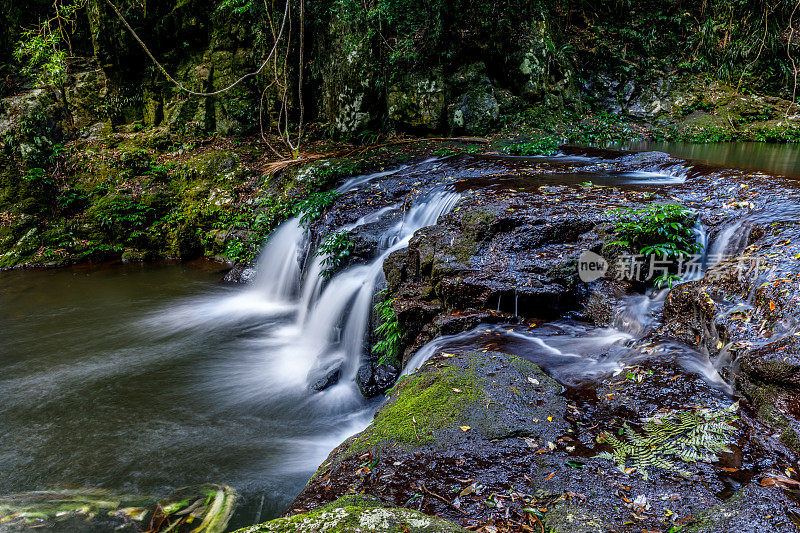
(143,378)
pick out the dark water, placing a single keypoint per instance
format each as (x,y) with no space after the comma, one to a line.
(781,159)
(114,377)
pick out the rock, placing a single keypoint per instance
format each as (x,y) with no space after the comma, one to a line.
(546,76)
(357,513)
(458,417)
(374,378)
(240,274)
(417,103)
(474,113)
(753,509)
(350,99)
(321,379)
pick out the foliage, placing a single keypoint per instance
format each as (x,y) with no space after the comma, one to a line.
(43,51)
(335,250)
(661,230)
(313,206)
(743,43)
(388,347)
(679,436)
(574,126)
(444,152)
(540,146)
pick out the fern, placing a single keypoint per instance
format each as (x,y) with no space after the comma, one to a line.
(666,439)
(388,347)
(335,251)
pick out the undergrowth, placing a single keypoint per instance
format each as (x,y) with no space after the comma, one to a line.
(335,250)
(658,231)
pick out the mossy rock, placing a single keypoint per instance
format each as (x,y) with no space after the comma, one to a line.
(432,405)
(357,514)
(754,509)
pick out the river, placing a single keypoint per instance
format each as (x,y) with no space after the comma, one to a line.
(143,378)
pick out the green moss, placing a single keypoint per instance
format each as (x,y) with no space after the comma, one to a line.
(476,224)
(420,406)
(464,248)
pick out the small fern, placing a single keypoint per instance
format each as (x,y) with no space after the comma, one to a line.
(388,332)
(666,439)
(335,251)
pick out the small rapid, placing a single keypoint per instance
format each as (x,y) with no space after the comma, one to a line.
(578,353)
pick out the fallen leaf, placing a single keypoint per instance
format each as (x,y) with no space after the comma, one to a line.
(469,489)
(465,428)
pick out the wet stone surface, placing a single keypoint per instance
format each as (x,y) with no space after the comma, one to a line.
(504,262)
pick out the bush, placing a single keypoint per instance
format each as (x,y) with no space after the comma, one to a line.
(335,250)
(660,230)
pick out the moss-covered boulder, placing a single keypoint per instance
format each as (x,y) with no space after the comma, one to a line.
(357,514)
(417,103)
(474,415)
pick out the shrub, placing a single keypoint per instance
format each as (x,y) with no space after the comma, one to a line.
(541,146)
(335,250)
(661,230)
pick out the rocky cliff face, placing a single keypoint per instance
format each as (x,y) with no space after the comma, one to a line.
(354,80)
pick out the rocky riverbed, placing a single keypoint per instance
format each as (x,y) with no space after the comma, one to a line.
(530,369)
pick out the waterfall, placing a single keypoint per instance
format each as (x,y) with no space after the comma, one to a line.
(328,333)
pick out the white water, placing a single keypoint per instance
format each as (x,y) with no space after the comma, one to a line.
(317,326)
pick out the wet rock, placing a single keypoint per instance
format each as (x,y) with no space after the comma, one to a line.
(357,513)
(479,437)
(474,113)
(321,379)
(467,416)
(751,510)
(374,378)
(240,274)
(512,252)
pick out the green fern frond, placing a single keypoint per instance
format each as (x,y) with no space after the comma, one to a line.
(690,437)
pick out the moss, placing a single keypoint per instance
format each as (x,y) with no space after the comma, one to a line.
(420,406)
(464,248)
(477,223)
(357,513)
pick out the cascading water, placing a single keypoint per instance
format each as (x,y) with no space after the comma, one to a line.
(328,334)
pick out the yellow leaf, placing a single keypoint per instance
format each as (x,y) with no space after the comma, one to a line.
(465,428)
